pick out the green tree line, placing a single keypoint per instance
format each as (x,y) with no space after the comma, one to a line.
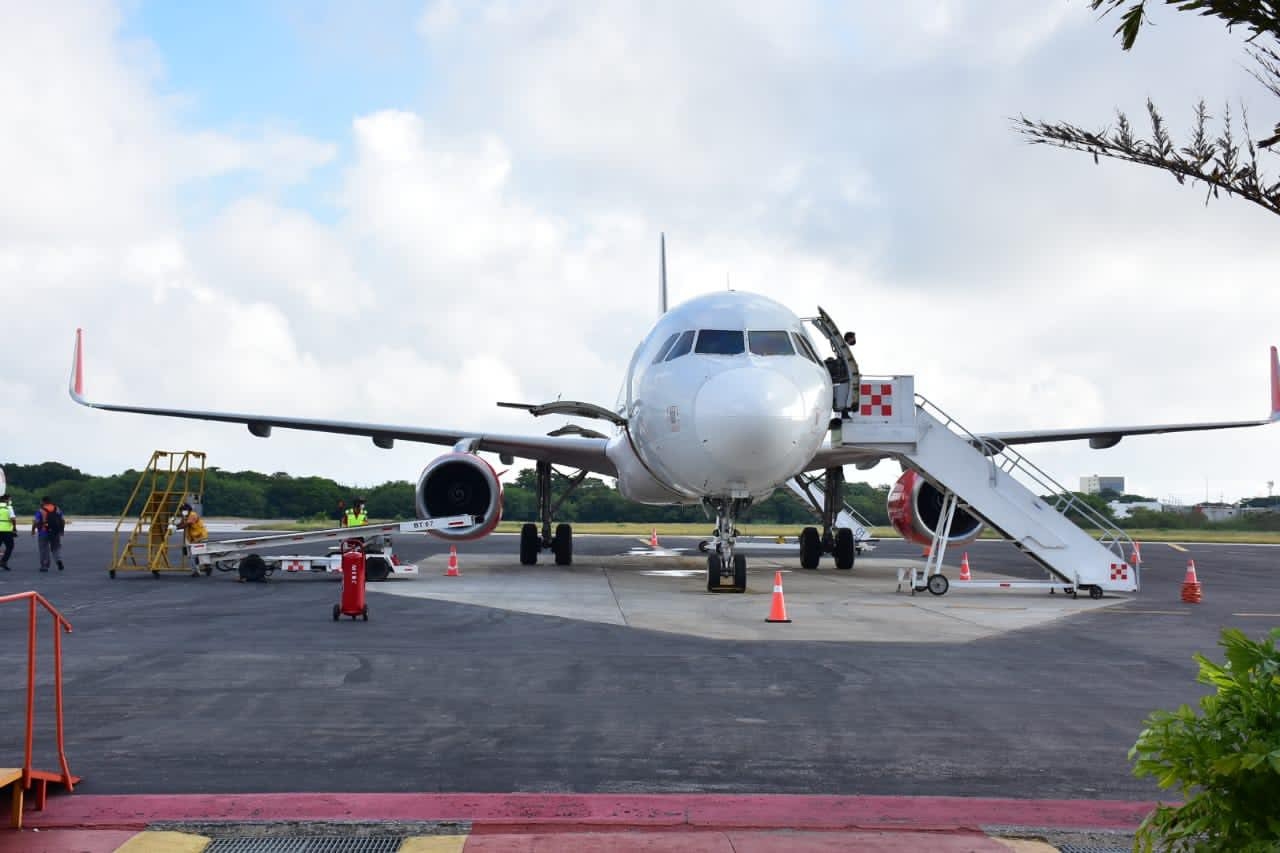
(250,494)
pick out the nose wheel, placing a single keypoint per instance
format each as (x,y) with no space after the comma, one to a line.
(726,570)
(730,579)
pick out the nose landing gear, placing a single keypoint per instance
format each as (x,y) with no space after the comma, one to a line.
(726,571)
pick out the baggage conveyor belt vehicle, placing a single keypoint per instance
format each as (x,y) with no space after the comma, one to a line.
(242,555)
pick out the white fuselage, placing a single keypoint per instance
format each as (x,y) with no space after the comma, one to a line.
(724,398)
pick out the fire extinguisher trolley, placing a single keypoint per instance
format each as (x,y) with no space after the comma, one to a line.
(352,602)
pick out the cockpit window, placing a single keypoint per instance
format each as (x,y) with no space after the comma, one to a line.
(666,348)
(720,342)
(682,346)
(806,348)
(770,343)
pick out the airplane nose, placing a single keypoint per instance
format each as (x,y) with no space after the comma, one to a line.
(750,421)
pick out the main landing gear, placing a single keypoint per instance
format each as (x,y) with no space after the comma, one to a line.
(561,542)
(836,541)
(726,571)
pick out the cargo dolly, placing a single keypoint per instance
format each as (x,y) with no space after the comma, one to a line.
(241,555)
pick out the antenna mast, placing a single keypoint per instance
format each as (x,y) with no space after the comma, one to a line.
(662,274)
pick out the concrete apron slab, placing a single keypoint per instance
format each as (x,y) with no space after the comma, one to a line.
(666,591)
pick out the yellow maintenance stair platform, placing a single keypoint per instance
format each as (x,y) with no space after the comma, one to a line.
(171,478)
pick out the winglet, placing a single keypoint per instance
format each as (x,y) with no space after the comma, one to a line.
(76,386)
(1275,385)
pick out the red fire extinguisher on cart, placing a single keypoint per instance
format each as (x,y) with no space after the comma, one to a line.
(352,601)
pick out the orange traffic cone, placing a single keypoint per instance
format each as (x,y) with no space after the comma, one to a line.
(964,568)
(1135,557)
(653,538)
(1191,591)
(453,563)
(778,610)
(928,549)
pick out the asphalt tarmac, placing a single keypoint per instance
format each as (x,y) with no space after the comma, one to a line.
(206,685)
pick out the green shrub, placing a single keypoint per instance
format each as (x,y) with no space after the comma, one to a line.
(1225,762)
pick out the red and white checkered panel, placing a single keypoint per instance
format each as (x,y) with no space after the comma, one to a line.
(295,566)
(876,399)
(1119,571)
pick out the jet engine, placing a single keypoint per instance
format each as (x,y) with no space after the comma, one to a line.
(915,511)
(460,484)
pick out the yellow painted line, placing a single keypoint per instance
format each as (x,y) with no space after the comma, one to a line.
(1262,615)
(433,844)
(1177,547)
(164,842)
(1127,610)
(1027,845)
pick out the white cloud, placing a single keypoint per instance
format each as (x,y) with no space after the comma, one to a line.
(287,256)
(498,241)
(281,157)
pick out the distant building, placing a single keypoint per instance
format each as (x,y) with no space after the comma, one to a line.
(1217,511)
(1124,510)
(1096,484)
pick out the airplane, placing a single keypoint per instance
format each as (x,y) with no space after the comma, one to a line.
(724,401)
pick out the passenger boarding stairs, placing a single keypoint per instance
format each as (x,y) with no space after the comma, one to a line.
(995,483)
(170,478)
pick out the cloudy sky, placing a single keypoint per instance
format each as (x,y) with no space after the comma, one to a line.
(402,212)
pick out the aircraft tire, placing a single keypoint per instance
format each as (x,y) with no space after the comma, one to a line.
(713,571)
(740,572)
(529,544)
(253,569)
(846,548)
(562,545)
(810,548)
(376,567)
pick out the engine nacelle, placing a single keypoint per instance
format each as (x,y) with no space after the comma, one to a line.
(460,484)
(915,511)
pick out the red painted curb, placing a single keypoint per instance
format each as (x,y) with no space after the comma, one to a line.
(533,812)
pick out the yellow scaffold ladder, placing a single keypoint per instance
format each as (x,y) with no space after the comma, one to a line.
(170,478)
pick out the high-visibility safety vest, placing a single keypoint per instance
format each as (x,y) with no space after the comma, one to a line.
(8,520)
(354,520)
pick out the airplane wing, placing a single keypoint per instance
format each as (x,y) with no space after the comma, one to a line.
(1103,437)
(577,451)
(1099,437)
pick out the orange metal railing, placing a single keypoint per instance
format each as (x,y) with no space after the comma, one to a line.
(60,624)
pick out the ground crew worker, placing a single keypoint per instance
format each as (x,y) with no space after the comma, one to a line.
(356,516)
(48,525)
(855,375)
(8,527)
(194,530)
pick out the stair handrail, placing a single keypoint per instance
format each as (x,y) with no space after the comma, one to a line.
(60,624)
(117,553)
(1064,501)
(810,482)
